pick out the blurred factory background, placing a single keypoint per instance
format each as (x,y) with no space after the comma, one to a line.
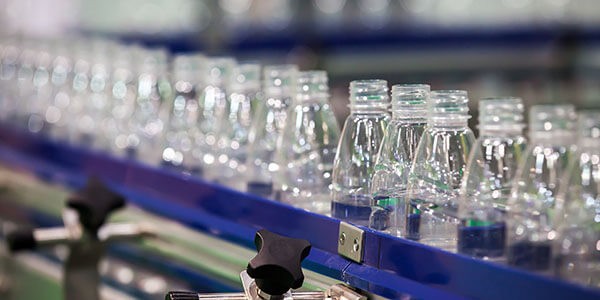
(545,51)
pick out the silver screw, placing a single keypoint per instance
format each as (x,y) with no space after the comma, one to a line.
(342,238)
(356,246)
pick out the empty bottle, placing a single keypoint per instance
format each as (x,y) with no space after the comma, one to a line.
(357,151)
(232,144)
(577,245)
(403,133)
(213,104)
(181,131)
(306,149)
(491,169)
(152,105)
(123,90)
(437,171)
(279,88)
(530,220)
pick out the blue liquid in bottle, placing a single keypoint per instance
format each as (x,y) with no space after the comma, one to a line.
(382,212)
(481,240)
(413,222)
(530,255)
(263,189)
(355,209)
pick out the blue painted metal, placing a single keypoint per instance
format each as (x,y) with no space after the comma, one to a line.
(393,267)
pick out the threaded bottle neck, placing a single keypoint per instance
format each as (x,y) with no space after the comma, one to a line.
(588,127)
(409,102)
(245,77)
(280,81)
(448,109)
(369,96)
(218,70)
(312,86)
(501,116)
(188,68)
(554,124)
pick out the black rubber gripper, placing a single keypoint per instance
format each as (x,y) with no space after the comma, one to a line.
(94,203)
(277,266)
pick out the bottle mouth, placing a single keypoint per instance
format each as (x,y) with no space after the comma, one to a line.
(552,118)
(280,79)
(219,69)
(501,114)
(409,101)
(369,94)
(312,84)
(448,107)
(246,76)
(588,124)
(188,67)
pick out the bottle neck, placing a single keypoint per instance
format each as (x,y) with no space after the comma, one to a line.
(369,108)
(507,130)
(448,123)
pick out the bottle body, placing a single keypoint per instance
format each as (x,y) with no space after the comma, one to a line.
(532,215)
(267,126)
(434,184)
(531,220)
(279,88)
(305,154)
(390,178)
(233,141)
(576,248)
(491,169)
(233,129)
(354,166)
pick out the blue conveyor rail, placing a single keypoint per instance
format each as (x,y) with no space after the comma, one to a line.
(392,267)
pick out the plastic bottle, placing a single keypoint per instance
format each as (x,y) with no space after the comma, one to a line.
(437,171)
(577,246)
(307,147)
(234,127)
(403,133)
(152,105)
(530,220)
(279,88)
(491,169)
(213,103)
(181,131)
(357,151)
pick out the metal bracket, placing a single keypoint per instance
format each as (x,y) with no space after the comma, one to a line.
(351,242)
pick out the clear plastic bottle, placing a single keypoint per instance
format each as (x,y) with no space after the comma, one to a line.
(530,221)
(232,143)
(24,82)
(41,90)
(403,133)
(97,106)
(123,90)
(437,171)
(61,77)
(577,246)
(181,131)
(213,103)
(279,88)
(9,64)
(152,105)
(491,169)
(358,149)
(307,147)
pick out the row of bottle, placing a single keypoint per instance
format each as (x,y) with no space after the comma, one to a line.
(418,173)
(270,132)
(423,175)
